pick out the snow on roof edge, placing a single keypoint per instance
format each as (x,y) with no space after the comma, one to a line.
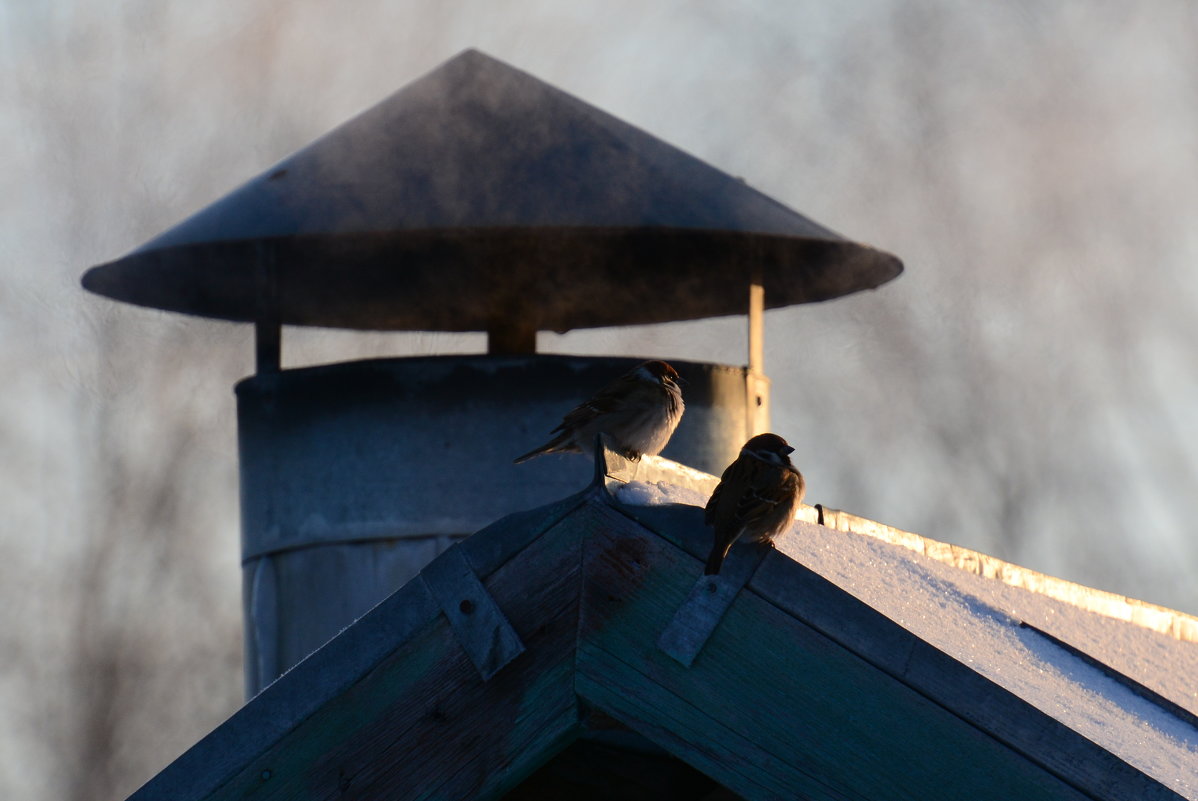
(1161,619)
(1147,615)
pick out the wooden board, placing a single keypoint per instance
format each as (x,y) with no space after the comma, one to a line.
(770,694)
(421,723)
(799,692)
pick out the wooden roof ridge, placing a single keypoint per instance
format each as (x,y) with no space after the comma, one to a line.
(769,679)
(1144,614)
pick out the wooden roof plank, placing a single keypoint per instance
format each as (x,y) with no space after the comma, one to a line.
(950,683)
(733,760)
(278,709)
(479,623)
(788,688)
(800,691)
(494,545)
(481,748)
(705,605)
(418,717)
(895,650)
(487,774)
(398,678)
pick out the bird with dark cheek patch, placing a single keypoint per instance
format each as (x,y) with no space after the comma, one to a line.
(638,412)
(756,498)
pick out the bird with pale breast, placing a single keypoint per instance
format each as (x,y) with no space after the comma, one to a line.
(756,498)
(638,412)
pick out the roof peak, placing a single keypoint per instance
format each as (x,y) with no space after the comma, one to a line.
(588,586)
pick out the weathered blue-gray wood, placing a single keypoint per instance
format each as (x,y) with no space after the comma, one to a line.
(824,723)
(477,620)
(422,722)
(507,537)
(1040,738)
(706,604)
(800,691)
(351,663)
(276,713)
(894,651)
(299,600)
(736,761)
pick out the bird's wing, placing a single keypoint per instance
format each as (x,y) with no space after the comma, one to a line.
(606,401)
(722,502)
(763,492)
(800,484)
(725,509)
(713,503)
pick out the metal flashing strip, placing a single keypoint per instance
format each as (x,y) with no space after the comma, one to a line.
(480,625)
(706,604)
(1143,691)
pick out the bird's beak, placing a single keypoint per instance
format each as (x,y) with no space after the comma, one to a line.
(789,450)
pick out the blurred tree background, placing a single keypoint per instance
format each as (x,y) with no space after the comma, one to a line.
(1025,389)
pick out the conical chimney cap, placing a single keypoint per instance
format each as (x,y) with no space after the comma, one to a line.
(479,193)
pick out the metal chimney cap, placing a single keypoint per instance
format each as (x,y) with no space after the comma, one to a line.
(479,193)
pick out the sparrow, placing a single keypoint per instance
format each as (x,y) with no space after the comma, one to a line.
(638,411)
(756,498)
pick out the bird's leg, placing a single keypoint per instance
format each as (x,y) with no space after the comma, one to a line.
(615,462)
(632,465)
(636,468)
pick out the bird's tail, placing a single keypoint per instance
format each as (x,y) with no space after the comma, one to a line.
(529,455)
(552,446)
(716,560)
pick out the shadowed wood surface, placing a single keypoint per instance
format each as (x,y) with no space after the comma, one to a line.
(705,605)
(818,720)
(799,690)
(482,630)
(423,723)
(403,653)
(601,771)
(929,673)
